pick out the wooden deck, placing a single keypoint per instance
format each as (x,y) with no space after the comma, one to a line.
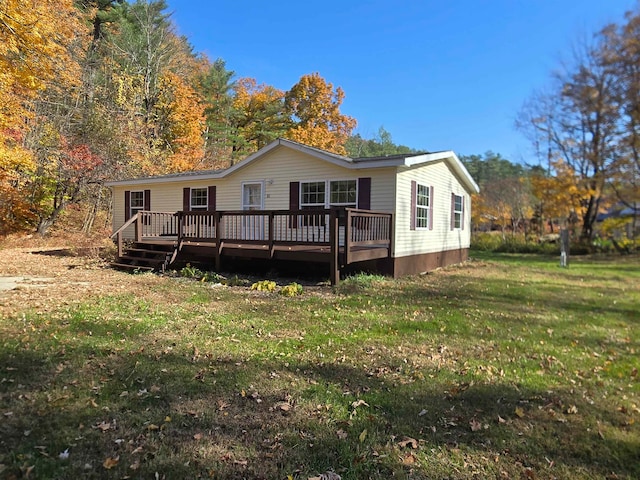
(339,237)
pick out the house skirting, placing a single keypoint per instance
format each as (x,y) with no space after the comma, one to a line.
(416,264)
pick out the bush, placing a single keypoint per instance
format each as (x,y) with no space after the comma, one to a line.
(291,290)
(189,271)
(236,281)
(493,242)
(264,286)
(358,282)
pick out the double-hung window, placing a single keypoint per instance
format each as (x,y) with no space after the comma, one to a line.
(457,204)
(199,199)
(136,200)
(423,206)
(343,193)
(313,195)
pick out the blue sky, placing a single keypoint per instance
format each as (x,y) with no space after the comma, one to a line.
(438,75)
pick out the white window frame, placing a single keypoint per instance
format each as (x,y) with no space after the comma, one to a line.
(304,205)
(353,204)
(133,209)
(327,194)
(199,208)
(457,213)
(252,206)
(423,211)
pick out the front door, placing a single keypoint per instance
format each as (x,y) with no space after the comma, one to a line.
(252,199)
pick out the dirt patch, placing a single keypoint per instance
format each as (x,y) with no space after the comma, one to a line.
(46,278)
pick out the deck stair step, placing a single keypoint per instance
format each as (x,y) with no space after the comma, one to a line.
(145,256)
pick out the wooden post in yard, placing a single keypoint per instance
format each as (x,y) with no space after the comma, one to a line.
(334,263)
(564,247)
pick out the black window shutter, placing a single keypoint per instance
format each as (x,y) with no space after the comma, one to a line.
(186,199)
(147,200)
(431,203)
(414,193)
(127,205)
(364,193)
(294,202)
(211,198)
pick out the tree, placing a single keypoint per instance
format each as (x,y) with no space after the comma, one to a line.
(315,108)
(380,145)
(259,116)
(621,53)
(579,122)
(36,44)
(216,86)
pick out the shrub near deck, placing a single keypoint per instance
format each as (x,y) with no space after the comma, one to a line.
(506,367)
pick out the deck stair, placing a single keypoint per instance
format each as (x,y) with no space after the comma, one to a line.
(145,257)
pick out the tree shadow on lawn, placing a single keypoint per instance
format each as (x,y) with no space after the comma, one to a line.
(214,414)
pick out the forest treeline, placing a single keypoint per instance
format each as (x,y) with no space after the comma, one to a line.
(95,90)
(106,89)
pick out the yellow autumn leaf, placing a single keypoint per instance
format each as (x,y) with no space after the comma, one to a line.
(110,462)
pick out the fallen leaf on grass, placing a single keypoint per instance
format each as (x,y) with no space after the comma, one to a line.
(409,459)
(519,412)
(357,403)
(475,425)
(135,466)
(408,441)
(103,426)
(341,434)
(198,436)
(363,435)
(110,462)
(572,410)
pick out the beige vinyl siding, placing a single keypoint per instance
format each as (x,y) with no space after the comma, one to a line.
(441,237)
(275,171)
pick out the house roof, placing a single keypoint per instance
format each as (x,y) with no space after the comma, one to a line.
(401,161)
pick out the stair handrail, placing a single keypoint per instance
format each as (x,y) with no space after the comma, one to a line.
(118,233)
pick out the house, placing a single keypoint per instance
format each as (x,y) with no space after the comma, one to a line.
(398,214)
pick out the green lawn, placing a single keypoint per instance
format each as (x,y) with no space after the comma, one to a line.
(506,367)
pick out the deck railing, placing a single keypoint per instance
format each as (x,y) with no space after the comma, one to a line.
(347,231)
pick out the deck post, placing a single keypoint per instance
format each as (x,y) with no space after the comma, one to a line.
(271,234)
(180,226)
(347,236)
(138,228)
(334,231)
(217,222)
(120,245)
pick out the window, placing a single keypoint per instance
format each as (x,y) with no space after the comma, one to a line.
(423,205)
(343,193)
(313,195)
(251,196)
(136,202)
(457,211)
(199,199)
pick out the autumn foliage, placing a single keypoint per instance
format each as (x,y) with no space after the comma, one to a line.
(95,90)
